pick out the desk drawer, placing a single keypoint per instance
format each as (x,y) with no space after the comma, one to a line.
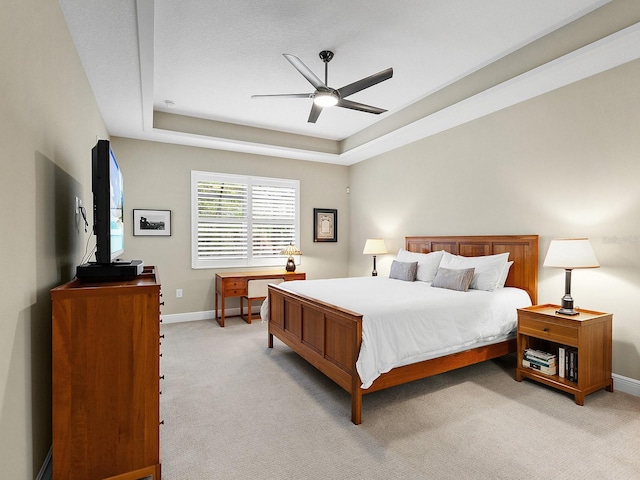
(235,292)
(549,331)
(234,288)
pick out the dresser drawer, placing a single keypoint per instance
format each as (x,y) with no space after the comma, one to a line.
(549,331)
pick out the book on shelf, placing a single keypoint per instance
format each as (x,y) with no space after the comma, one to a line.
(537,361)
(571,368)
(546,370)
(539,354)
(568,363)
(561,361)
(538,357)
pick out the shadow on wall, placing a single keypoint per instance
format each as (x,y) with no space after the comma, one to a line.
(58,237)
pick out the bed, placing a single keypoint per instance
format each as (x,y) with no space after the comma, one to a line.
(330,336)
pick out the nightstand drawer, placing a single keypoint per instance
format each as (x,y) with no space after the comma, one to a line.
(548,331)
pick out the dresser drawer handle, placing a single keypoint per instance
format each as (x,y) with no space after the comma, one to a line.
(545,329)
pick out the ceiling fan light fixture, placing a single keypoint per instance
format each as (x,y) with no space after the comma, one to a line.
(325,96)
(325,99)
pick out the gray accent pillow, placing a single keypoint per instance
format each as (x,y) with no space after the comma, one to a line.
(427,263)
(403,270)
(453,279)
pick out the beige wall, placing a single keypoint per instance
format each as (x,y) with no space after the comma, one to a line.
(158,176)
(49,121)
(564,164)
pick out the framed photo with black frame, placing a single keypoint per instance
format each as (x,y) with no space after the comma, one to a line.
(325,225)
(152,223)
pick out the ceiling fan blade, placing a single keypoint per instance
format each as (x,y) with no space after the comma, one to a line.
(365,82)
(304,70)
(315,113)
(285,95)
(359,106)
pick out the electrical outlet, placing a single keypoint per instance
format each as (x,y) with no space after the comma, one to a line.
(178,293)
(78,206)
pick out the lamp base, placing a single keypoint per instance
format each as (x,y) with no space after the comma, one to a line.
(291,265)
(566,304)
(567,311)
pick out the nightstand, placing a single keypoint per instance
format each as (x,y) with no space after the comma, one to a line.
(541,328)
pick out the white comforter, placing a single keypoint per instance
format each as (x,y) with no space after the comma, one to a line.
(407,322)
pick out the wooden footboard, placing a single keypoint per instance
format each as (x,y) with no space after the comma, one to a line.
(329,337)
(326,336)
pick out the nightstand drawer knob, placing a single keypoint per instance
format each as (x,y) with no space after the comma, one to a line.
(545,329)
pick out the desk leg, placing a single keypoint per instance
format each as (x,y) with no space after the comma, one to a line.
(221,318)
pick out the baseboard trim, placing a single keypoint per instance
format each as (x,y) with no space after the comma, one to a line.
(204,315)
(188,317)
(626,385)
(46,472)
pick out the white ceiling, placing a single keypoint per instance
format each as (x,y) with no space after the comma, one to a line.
(209,57)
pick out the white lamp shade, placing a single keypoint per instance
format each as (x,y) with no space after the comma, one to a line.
(290,250)
(374,246)
(570,253)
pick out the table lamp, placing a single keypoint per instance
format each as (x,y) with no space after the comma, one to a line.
(290,250)
(374,246)
(570,253)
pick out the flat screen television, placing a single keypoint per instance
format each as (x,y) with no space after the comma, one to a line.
(108,204)
(108,221)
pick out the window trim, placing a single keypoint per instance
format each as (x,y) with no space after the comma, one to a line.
(278,260)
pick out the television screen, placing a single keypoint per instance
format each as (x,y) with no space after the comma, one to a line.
(108,204)
(117,208)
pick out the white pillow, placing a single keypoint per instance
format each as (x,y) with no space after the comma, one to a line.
(504,274)
(488,268)
(427,263)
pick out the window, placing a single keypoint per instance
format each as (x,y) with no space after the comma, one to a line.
(240,221)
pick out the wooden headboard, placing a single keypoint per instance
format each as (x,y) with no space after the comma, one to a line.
(523,250)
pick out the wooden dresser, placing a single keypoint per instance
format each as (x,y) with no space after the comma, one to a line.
(106,375)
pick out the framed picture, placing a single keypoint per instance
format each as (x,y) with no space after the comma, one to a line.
(325,225)
(152,222)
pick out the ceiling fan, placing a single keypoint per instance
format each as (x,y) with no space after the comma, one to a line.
(325,96)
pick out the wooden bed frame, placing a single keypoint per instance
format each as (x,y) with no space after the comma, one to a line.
(329,337)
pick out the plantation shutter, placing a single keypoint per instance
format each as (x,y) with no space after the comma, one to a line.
(242,221)
(274,215)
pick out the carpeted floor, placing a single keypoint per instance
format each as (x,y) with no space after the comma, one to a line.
(234,409)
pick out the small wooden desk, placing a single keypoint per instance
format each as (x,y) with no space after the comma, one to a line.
(234,284)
